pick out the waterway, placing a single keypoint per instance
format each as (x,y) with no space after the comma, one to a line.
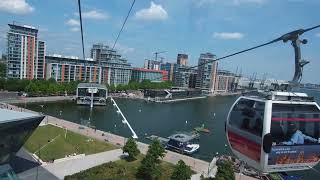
(159,119)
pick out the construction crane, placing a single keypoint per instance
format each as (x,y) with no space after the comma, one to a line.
(156,54)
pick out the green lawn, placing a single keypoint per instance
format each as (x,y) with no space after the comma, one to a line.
(61,146)
(119,170)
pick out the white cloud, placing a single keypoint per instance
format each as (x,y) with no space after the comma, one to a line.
(94,14)
(318,34)
(73,22)
(154,12)
(228,35)
(15,6)
(75,29)
(203,3)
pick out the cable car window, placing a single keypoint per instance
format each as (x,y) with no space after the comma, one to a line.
(295,124)
(247,115)
(295,133)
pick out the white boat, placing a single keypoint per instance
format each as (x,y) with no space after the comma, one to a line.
(191,148)
(182,143)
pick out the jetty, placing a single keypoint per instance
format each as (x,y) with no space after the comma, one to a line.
(159,100)
(124,119)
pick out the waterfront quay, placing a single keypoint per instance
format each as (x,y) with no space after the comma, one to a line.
(199,166)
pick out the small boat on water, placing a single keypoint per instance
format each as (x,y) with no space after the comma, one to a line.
(182,143)
(191,148)
(202,129)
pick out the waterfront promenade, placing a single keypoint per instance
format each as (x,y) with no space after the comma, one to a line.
(197,165)
(20,99)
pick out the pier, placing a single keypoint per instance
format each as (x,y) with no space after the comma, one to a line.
(124,119)
(158,100)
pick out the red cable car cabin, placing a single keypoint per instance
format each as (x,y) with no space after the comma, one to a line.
(275,131)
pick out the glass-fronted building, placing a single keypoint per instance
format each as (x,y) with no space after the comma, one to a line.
(140,74)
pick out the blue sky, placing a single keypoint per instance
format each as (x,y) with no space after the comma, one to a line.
(178,26)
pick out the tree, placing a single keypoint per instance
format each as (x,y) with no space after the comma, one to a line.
(2,83)
(131,148)
(225,171)
(32,89)
(181,171)
(156,150)
(2,69)
(149,168)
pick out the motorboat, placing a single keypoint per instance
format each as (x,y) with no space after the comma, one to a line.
(182,143)
(191,148)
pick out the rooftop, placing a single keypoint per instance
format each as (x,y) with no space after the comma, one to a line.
(10,115)
(91,85)
(181,137)
(280,96)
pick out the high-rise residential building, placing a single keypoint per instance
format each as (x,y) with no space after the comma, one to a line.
(184,77)
(115,69)
(25,54)
(40,66)
(140,74)
(106,67)
(100,52)
(182,59)
(207,72)
(171,68)
(152,64)
(66,69)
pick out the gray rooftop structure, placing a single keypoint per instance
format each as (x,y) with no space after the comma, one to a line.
(10,115)
(181,137)
(16,128)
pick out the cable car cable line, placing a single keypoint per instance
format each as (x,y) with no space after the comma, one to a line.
(79,5)
(125,21)
(291,36)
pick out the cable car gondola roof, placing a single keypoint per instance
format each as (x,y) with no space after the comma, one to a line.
(279,96)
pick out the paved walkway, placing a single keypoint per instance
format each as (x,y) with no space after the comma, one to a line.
(20,99)
(73,166)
